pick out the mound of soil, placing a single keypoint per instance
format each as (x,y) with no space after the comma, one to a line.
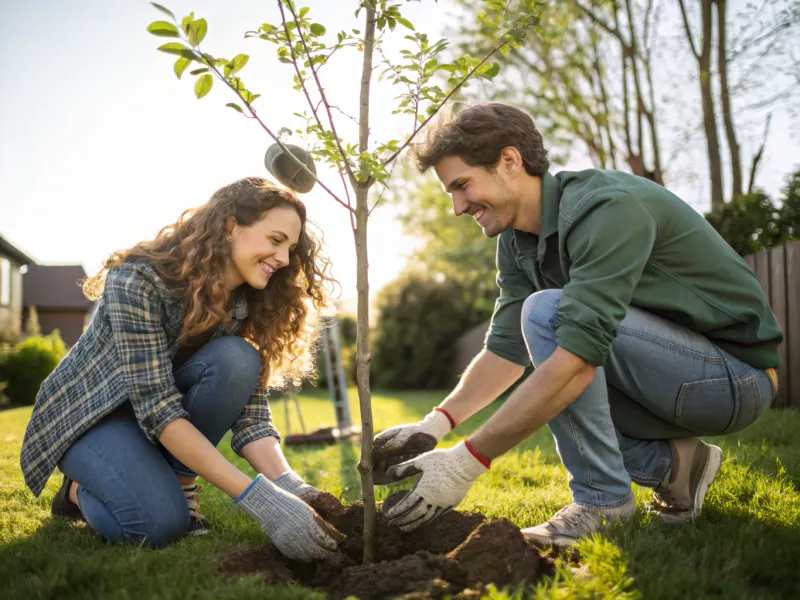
(457,555)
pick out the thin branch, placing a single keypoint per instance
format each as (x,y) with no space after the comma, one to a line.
(599,21)
(446,98)
(300,77)
(759,154)
(319,87)
(347,193)
(385,187)
(688,30)
(283,147)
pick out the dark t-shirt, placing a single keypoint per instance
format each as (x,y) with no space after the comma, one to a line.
(192,345)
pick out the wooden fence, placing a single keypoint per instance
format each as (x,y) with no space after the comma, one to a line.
(778,272)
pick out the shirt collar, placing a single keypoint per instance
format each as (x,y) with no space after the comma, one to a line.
(530,244)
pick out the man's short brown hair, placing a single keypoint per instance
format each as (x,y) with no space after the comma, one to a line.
(478,133)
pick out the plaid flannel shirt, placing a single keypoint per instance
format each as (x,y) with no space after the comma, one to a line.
(125,355)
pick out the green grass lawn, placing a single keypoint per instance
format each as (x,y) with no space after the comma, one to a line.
(746,545)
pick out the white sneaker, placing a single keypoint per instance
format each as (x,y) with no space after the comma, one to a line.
(575,521)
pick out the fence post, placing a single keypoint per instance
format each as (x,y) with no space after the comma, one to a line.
(777,286)
(793,322)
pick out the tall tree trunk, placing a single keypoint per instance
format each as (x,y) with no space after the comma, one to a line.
(362,340)
(727,115)
(709,115)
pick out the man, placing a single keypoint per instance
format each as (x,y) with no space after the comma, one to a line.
(646,330)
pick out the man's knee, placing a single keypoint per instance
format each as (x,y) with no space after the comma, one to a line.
(541,308)
(539,312)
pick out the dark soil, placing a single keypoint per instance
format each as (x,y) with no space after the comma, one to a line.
(457,555)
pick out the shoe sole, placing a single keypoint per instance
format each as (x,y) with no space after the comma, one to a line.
(562,542)
(708,476)
(559,542)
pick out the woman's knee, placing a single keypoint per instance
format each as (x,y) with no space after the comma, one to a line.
(160,527)
(235,355)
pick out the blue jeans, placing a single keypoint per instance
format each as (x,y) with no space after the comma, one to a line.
(660,381)
(127,487)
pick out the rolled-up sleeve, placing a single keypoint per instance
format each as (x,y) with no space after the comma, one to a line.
(135,313)
(606,265)
(254,422)
(504,337)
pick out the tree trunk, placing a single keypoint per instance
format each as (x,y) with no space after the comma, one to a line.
(709,115)
(362,340)
(727,115)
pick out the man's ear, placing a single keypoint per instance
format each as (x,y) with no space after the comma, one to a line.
(510,159)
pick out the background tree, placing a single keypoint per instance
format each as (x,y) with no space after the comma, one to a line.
(609,75)
(452,249)
(420,316)
(752,222)
(307,47)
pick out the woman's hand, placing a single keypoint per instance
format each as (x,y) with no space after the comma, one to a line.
(324,503)
(292,525)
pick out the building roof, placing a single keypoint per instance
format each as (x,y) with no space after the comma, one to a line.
(8,249)
(54,287)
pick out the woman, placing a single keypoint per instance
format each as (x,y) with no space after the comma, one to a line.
(190,330)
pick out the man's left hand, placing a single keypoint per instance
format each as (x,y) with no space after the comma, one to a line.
(325,503)
(446,478)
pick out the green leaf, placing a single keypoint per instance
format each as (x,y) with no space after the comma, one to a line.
(172,48)
(317,29)
(179,49)
(163,29)
(198,71)
(405,23)
(489,71)
(166,11)
(180,66)
(303,12)
(235,107)
(196,30)
(236,64)
(185,22)
(203,85)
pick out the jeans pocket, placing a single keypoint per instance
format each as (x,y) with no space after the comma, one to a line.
(749,403)
(707,406)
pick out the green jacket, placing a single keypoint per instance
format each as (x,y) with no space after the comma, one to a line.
(612,240)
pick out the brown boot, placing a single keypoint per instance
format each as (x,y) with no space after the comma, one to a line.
(695,465)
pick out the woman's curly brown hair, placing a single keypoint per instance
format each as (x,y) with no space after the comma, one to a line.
(191,255)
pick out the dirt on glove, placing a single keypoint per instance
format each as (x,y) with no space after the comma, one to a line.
(456,555)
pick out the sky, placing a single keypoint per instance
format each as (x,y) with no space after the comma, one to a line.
(101,145)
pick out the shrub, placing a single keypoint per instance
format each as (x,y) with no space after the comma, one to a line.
(420,318)
(25,367)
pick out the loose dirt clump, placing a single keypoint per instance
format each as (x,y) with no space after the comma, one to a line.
(456,555)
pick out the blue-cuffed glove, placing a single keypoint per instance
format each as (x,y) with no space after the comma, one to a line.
(292,525)
(324,503)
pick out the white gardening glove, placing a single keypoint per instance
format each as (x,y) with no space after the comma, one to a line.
(293,526)
(324,503)
(404,442)
(446,478)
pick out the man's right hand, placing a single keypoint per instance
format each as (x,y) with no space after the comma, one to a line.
(404,442)
(292,525)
